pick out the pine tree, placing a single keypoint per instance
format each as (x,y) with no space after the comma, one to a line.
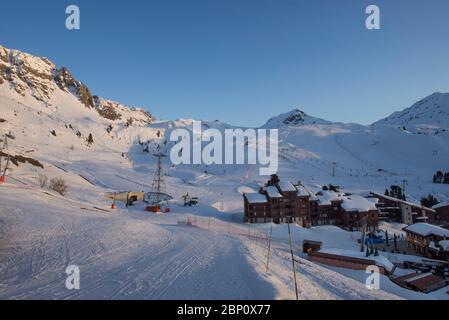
(387,241)
(274,180)
(90,139)
(376,252)
(367,252)
(439,177)
(429,201)
(446,178)
(387,193)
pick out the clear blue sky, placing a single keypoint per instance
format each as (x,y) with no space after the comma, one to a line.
(243,61)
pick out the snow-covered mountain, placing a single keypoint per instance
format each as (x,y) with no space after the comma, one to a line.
(293,118)
(29,76)
(52,115)
(49,118)
(431,112)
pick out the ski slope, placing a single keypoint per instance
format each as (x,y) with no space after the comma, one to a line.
(130,254)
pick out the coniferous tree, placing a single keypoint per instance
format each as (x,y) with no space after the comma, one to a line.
(446,178)
(429,201)
(274,180)
(396,192)
(90,139)
(439,177)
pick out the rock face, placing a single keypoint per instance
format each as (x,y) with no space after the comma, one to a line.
(293,118)
(40,78)
(65,81)
(26,72)
(118,112)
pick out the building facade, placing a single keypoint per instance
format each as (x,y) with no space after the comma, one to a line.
(396,210)
(441,213)
(284,202)
(428,240)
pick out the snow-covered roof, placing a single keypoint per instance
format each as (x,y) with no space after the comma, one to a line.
(273,192)
(444,244)
(326,197)
(441,205)
(380,260)
(426,229)
(374,200)
(357,203)
(416,205)
(256,198)
(417,277)
(302,191)
(286,186)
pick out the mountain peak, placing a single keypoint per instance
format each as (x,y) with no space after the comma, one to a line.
(294,117)
(430,112)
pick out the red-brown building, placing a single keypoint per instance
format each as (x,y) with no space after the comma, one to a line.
(256,208)
(283,202)
(428,240)
(441,213)
(358,212)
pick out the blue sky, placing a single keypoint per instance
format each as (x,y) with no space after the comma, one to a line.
(243,61)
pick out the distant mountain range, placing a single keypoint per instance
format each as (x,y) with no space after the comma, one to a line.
(52,116)
(39,78)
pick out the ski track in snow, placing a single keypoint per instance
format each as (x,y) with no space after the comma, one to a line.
(131,255)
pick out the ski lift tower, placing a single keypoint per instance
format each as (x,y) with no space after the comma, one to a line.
(3,171)
(158,185)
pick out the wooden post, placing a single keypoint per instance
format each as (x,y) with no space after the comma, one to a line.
(293,261)
(208,224)
(269,247)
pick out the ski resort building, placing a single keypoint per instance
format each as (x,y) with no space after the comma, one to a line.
(396,210)
(357,211)
(441,213)
(283,202)
(278,203)
(428,240)
(256,208)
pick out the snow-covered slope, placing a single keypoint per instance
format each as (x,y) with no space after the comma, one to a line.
(50,117)
(431,112)
(33,79)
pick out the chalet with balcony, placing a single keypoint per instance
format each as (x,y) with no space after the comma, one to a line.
(357,211)
(428,240)
(396,210)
